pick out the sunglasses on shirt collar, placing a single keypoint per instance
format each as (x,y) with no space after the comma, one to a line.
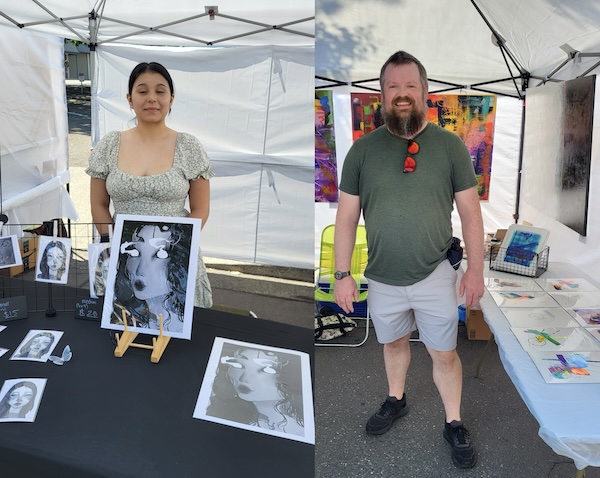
(409,163)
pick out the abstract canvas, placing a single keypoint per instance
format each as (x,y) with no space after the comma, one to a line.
(366,113)
(556,339)
(472,117)
(588,317)
(326,175)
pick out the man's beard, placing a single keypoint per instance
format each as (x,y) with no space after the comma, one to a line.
(402,125)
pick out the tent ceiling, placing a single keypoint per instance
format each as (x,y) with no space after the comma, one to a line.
(454,42)
(182,23)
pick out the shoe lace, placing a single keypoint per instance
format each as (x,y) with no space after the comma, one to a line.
(387,408)
(461,436)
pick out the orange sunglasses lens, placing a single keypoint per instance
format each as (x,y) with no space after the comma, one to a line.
(409,165)
(413,147)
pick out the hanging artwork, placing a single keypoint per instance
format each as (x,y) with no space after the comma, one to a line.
(53,263)
(10,255)
(366,113)
(472,117)
(326,184)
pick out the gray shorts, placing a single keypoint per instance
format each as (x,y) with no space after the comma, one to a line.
(429,306)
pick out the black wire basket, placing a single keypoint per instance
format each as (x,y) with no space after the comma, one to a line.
(519,261)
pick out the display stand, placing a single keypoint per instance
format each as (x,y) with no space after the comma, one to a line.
(126,340)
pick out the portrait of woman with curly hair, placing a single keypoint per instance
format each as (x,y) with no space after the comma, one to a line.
(154,272)
(258,387)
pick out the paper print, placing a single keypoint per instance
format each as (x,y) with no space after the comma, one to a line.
(540,318)
(568,367)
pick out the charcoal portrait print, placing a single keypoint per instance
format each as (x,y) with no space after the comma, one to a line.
(7,253)
(152,275)
(53,264)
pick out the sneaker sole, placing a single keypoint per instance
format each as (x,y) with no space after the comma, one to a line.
(387,429)
(456,462)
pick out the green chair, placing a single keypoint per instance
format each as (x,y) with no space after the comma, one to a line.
(325,280)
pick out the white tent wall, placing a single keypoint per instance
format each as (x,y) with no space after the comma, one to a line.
(33,128)
(497,211)
(251,107)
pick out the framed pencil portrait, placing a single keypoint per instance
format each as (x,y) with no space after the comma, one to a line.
(53,260)
(152,275)
(10,255)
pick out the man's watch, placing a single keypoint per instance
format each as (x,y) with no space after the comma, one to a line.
(340,275)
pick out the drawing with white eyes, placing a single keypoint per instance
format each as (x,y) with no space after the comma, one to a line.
(151,274)
(258,388)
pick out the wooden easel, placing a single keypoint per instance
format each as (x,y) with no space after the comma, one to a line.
(126,340)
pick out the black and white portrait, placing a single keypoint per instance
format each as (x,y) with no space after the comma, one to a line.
(9,252)
(259,388)
(53,260)
(20,399)
(98,262)
(37,345)
(152,275)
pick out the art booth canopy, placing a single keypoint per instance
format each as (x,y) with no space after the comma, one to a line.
(244,79)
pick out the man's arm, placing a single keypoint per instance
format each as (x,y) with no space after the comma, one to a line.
(469,210)
(345,291)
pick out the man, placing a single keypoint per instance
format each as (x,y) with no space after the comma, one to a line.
(404,177)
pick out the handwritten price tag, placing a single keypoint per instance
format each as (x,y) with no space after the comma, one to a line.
(88,309)
(13,308)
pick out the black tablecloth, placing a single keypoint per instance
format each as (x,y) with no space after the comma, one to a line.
(103,416)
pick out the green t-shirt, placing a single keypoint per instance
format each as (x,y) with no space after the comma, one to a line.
(407,215)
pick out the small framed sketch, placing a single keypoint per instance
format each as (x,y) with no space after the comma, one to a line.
(588,317)
(53,260)
(152,275)
(10,255)
(572,339)
(523,299)
(538,318)
(20,399)
(98,262)
(568,367)
(37,345)
(567,285)
(259,388)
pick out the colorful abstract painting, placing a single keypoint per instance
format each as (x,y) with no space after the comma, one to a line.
(366,113)
(326,184)
(472,118)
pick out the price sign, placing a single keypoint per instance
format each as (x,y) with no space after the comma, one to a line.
(13,308)
(88,309)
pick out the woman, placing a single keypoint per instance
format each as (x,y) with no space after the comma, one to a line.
(151,169)
(18,401)
(152,275)
(36,347)
(54,261)
(259,388)
(101,272)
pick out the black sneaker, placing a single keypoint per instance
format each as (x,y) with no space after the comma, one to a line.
(463,452)
(390,411)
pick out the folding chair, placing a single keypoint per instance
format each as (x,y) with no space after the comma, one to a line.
(325,280)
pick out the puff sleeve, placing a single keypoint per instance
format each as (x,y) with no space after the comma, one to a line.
(104,156)
(195,162)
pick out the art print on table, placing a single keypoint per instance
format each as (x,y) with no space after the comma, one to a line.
(37,345)
(20,399)
(98,262)
(573,339)
(3,351)
(572,300)
(259,388)
(567,285)
(53,260)
(516,284)
(10,255)
(539,318)
(152,274)
(589,317)
(568,367)
(523,299)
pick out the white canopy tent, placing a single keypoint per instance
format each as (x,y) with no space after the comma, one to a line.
(457,41)
(244,78)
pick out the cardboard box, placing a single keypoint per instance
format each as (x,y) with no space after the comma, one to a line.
(477,329)
(29,248)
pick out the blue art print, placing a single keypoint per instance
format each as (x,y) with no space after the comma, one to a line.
(522,247)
